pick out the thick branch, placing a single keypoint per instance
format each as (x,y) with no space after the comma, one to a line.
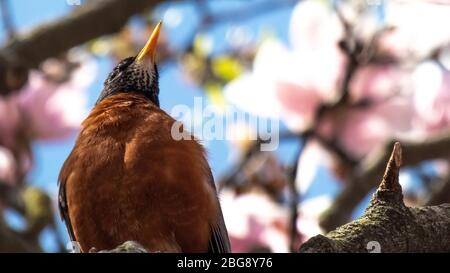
(388,225)
(13,242)
(35,206)
(365,178)
(127,247)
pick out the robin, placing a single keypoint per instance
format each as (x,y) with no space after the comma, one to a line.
(128,179)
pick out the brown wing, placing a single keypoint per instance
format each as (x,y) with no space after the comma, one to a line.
(219,241)
(62,202)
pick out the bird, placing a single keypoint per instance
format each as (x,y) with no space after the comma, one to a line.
(127,178)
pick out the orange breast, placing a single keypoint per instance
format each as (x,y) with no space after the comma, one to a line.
(127,179)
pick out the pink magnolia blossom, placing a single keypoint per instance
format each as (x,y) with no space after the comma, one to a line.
(317,62)
(378,82)
(432,97)
(55,110)
(291,84)
(7,166)
(41,110)
(294,83)
(310,74)
(299,104)
(418,27)
(358,131)
(48,110)
(253,221)
(261,82)
(312,158)
(310,212)
(361,130)
(313,26)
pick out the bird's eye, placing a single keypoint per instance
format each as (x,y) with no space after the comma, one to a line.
(122,67)
(124,64)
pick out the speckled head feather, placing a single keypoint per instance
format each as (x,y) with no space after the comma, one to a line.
(132,76)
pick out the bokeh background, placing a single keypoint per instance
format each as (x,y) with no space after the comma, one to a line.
(344,79)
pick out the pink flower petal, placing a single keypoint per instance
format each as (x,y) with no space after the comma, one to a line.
(418,28)
(253,220)
(432,97)
(377,82)
(367,130)
(294,83)
(309,213)
(55,111)
(312,158)
(314,26)
(299,105)
(8,167)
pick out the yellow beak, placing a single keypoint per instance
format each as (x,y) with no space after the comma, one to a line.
(149,49)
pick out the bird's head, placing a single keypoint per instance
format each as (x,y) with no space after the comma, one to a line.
(137,74)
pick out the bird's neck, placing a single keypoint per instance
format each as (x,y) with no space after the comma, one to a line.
(121,109)
(142,82)
(112,91)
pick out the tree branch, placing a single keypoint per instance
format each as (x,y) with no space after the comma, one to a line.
(35,206)
(387,224)
(89,21)
(13,242)
(127,247)
(365,177)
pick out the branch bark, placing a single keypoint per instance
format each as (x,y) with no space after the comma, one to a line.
(12,242)
(89,21)
(387,224)
(35,206)
(366,175)
(127,247)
